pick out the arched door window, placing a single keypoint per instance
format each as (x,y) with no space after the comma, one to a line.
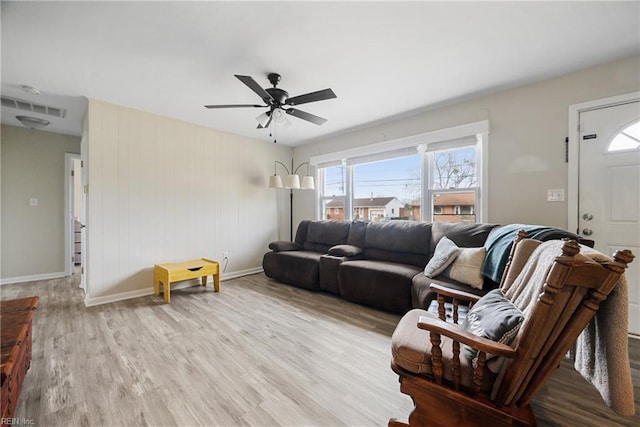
(628,139)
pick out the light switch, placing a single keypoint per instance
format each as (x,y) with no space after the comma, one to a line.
(555,195)
(33,201)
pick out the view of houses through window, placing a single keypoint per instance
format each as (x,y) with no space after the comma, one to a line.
(393,188)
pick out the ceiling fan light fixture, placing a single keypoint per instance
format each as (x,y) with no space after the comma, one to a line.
(263,119)
(280,118)
(275,99)
(32,122)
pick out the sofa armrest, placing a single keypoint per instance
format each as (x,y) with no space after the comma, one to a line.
(454,293)
(349,251)
(281,246)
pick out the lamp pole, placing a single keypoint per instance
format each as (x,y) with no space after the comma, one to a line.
(292,181)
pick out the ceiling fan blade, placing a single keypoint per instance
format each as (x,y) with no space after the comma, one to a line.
(306,116)
(235,106)
(311,97)
(254,86)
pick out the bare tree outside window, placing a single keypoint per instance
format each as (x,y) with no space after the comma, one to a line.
(454,169)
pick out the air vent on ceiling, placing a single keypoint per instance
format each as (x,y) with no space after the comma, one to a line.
(21,104)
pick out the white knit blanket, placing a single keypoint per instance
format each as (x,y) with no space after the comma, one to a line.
(601,352)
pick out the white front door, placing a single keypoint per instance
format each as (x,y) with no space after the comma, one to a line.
(609,188)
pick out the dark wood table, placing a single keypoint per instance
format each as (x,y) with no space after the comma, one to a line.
(15,330)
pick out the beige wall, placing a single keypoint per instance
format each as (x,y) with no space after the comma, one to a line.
(526,145)
(33,236)
(162,190)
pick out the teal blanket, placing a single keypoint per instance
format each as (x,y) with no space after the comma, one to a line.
(499,244)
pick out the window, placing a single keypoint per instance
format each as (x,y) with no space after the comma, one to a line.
(332,189)
(628,139)
(453,173)
(436,176)
(385,188)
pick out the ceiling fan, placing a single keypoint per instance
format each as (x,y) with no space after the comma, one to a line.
(276,99)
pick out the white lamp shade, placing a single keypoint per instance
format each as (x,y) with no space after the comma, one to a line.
(275,181)
(307,183)
(292,181)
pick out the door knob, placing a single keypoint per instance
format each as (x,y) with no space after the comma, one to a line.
(587,217)
(587,232)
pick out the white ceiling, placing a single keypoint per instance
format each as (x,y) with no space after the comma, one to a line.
(382,59)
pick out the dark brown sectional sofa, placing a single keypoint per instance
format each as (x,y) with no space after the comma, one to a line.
(381,264)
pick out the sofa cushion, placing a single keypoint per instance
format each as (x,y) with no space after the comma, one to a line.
(404,242)
(462,234)
(329,266)
(301,232)
(297,268)
(345,250)
(357,232)
(379,284)
(445,253)
(321,235)
(467,267)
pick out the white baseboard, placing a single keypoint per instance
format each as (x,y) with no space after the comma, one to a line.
(32,278)
(89,302)
(236,274)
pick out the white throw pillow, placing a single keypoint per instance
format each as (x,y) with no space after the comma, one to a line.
(467,267)
(445,253)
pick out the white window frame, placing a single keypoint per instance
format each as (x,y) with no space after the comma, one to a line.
(424,143)
(320,178)
(428,190)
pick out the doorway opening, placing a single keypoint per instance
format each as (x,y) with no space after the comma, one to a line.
(73,213)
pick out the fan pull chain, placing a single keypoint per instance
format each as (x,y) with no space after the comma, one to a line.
(274,133)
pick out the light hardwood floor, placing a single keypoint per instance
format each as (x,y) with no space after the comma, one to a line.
(258,353)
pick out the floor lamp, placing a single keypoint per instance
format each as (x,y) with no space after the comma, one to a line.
(291,182)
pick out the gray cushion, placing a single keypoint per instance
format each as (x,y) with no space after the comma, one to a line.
(446,252)
(345,250)
(493,317)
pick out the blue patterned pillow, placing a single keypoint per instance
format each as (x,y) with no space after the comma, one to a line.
(493,317)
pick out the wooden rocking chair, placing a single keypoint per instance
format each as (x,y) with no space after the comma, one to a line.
(558,294)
